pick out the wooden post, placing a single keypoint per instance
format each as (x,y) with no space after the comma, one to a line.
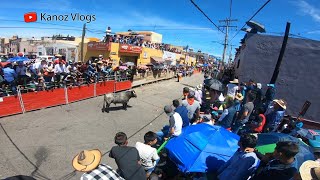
(283,48)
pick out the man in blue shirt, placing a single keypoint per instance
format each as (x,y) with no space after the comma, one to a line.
(281,164)
(243,163)
(274,115)
(183,111)
(10,76)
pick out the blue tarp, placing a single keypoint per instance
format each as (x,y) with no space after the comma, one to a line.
(18,59)
(202,148)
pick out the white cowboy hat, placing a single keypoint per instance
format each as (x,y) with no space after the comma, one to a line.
(310,170)
(87,160)
(235,81)
(281,103)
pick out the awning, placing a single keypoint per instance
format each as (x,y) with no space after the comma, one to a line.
(157,59)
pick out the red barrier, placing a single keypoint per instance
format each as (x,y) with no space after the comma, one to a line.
(9,106)
(104,87)
(43,99)
(80,93)
(123,85)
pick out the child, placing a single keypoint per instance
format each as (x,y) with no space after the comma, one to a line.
(148,154)
(127,158)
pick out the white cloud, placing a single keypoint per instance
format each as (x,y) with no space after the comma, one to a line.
(308,9)
(314,32)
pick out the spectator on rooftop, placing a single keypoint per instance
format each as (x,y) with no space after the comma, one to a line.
(148,154)
(88,161)
(243,163)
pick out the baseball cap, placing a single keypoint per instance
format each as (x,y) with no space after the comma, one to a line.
(191,94)
(167,109)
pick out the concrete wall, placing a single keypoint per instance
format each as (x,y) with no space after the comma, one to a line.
(299,78)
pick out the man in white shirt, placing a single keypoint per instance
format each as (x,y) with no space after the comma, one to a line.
(148,154)
(60,70)
(233,87)
(175,125)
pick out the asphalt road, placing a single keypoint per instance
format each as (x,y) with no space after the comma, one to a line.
(43,143)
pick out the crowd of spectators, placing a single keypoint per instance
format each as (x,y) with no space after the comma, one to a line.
(138,40)
(41,75)
(238,107)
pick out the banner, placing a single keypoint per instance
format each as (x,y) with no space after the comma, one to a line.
(99,46)
(169,56)
(130,49)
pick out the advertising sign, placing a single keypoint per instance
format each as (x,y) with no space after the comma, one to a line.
(130,49)
(169,56)
(98,46)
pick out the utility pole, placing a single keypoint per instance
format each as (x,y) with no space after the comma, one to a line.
(82,41)
(227,24)
(280,58)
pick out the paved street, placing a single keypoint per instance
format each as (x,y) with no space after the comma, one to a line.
(43,143)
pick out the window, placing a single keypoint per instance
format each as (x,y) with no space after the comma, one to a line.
(238,63)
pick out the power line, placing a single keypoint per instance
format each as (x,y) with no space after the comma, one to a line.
(205,15)
(230,9)
(251,18)
(32,27)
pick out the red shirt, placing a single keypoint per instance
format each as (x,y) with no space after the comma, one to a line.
(260,128)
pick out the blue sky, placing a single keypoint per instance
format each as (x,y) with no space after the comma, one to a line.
(178,20)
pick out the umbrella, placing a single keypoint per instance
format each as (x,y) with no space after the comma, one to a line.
(202,148)
(18,59)
(128,64)
(257,26)
(214,84)
(267,143)
(143,67)
(123,67)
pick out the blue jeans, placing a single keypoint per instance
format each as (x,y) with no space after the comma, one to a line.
(149,171)
(162,134)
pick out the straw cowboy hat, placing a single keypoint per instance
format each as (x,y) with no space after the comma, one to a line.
(281,103)
(199,87)
(99,62)
(58,55)
(239,96)
(87,160)
(235,81)
(310,170)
